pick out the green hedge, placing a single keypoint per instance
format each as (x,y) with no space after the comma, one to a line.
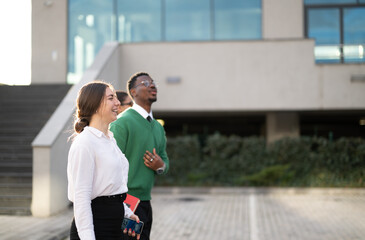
(235,161)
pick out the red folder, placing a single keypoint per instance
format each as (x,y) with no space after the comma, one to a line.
(132,202)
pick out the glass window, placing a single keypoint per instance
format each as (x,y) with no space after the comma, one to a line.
(237,19)
(324,27)
(94,22)
(187,20)
(309,2)
(91,24)
(139,20)
(354,34)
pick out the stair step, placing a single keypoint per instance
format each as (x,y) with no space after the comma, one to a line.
(24,139)
(15,189)
(24,111)
(15,201)
(41,116)
(18,131)
(21,156)
(8,148)
(16,167)
(20,211)
(10,177)
(33,90)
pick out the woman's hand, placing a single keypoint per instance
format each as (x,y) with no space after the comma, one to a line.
(130,233)
(134,217)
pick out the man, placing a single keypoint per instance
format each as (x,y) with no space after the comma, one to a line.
(125,101)
(142,139)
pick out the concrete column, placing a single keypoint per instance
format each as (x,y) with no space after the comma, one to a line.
(49,42)
(280,125)
(49,195)
(282,19)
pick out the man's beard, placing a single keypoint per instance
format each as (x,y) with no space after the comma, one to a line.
(152,100)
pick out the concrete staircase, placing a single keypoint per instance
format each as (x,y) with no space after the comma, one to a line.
(23,112)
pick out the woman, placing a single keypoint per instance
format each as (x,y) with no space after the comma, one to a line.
(97,170)
(125,101)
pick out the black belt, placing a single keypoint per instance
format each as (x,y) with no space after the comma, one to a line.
(117,197)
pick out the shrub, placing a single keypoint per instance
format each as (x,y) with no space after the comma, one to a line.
(221,160)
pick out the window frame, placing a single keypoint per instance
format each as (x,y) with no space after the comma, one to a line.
(341,8)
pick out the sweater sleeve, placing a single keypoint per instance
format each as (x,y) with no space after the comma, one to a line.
(163,153)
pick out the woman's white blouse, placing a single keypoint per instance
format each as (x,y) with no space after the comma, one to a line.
(96,167)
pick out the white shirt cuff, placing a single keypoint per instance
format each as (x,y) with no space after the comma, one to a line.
(127,211)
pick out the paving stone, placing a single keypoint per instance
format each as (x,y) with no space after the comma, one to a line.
(228,213)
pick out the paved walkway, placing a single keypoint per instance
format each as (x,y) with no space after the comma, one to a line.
(229,213)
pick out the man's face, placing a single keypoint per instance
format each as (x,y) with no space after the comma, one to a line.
(143,93)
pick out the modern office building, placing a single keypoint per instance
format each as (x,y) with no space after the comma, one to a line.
(273,68)
(257,67)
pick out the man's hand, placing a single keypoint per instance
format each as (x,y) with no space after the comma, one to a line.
(152,160)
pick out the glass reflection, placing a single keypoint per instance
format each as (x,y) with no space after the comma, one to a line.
(139,20)
(90,25)
(354,34)
(94,22)
(187,20)
(324,26)
(307,2)
(237,19)
(327,54)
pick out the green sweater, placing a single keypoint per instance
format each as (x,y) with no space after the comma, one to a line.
(134,135)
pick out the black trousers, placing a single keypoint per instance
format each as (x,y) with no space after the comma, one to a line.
(144,212)
(108,214)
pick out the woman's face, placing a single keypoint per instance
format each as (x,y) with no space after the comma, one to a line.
(109,106)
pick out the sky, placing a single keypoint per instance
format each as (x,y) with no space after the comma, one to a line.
(15,42)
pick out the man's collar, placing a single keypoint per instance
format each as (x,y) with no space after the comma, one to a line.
(142,111)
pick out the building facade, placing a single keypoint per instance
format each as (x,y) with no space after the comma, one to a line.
(273,68)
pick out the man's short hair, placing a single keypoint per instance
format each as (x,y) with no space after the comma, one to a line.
(132,81)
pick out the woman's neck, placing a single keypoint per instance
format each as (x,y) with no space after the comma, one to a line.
(100,125)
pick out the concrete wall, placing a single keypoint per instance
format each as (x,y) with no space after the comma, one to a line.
(215,76)
(280,125)
(282,19)
(338,91)
(49,41)
(49,176)
(271,75)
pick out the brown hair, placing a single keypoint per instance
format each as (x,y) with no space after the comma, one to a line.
(121,95)
(89,98)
